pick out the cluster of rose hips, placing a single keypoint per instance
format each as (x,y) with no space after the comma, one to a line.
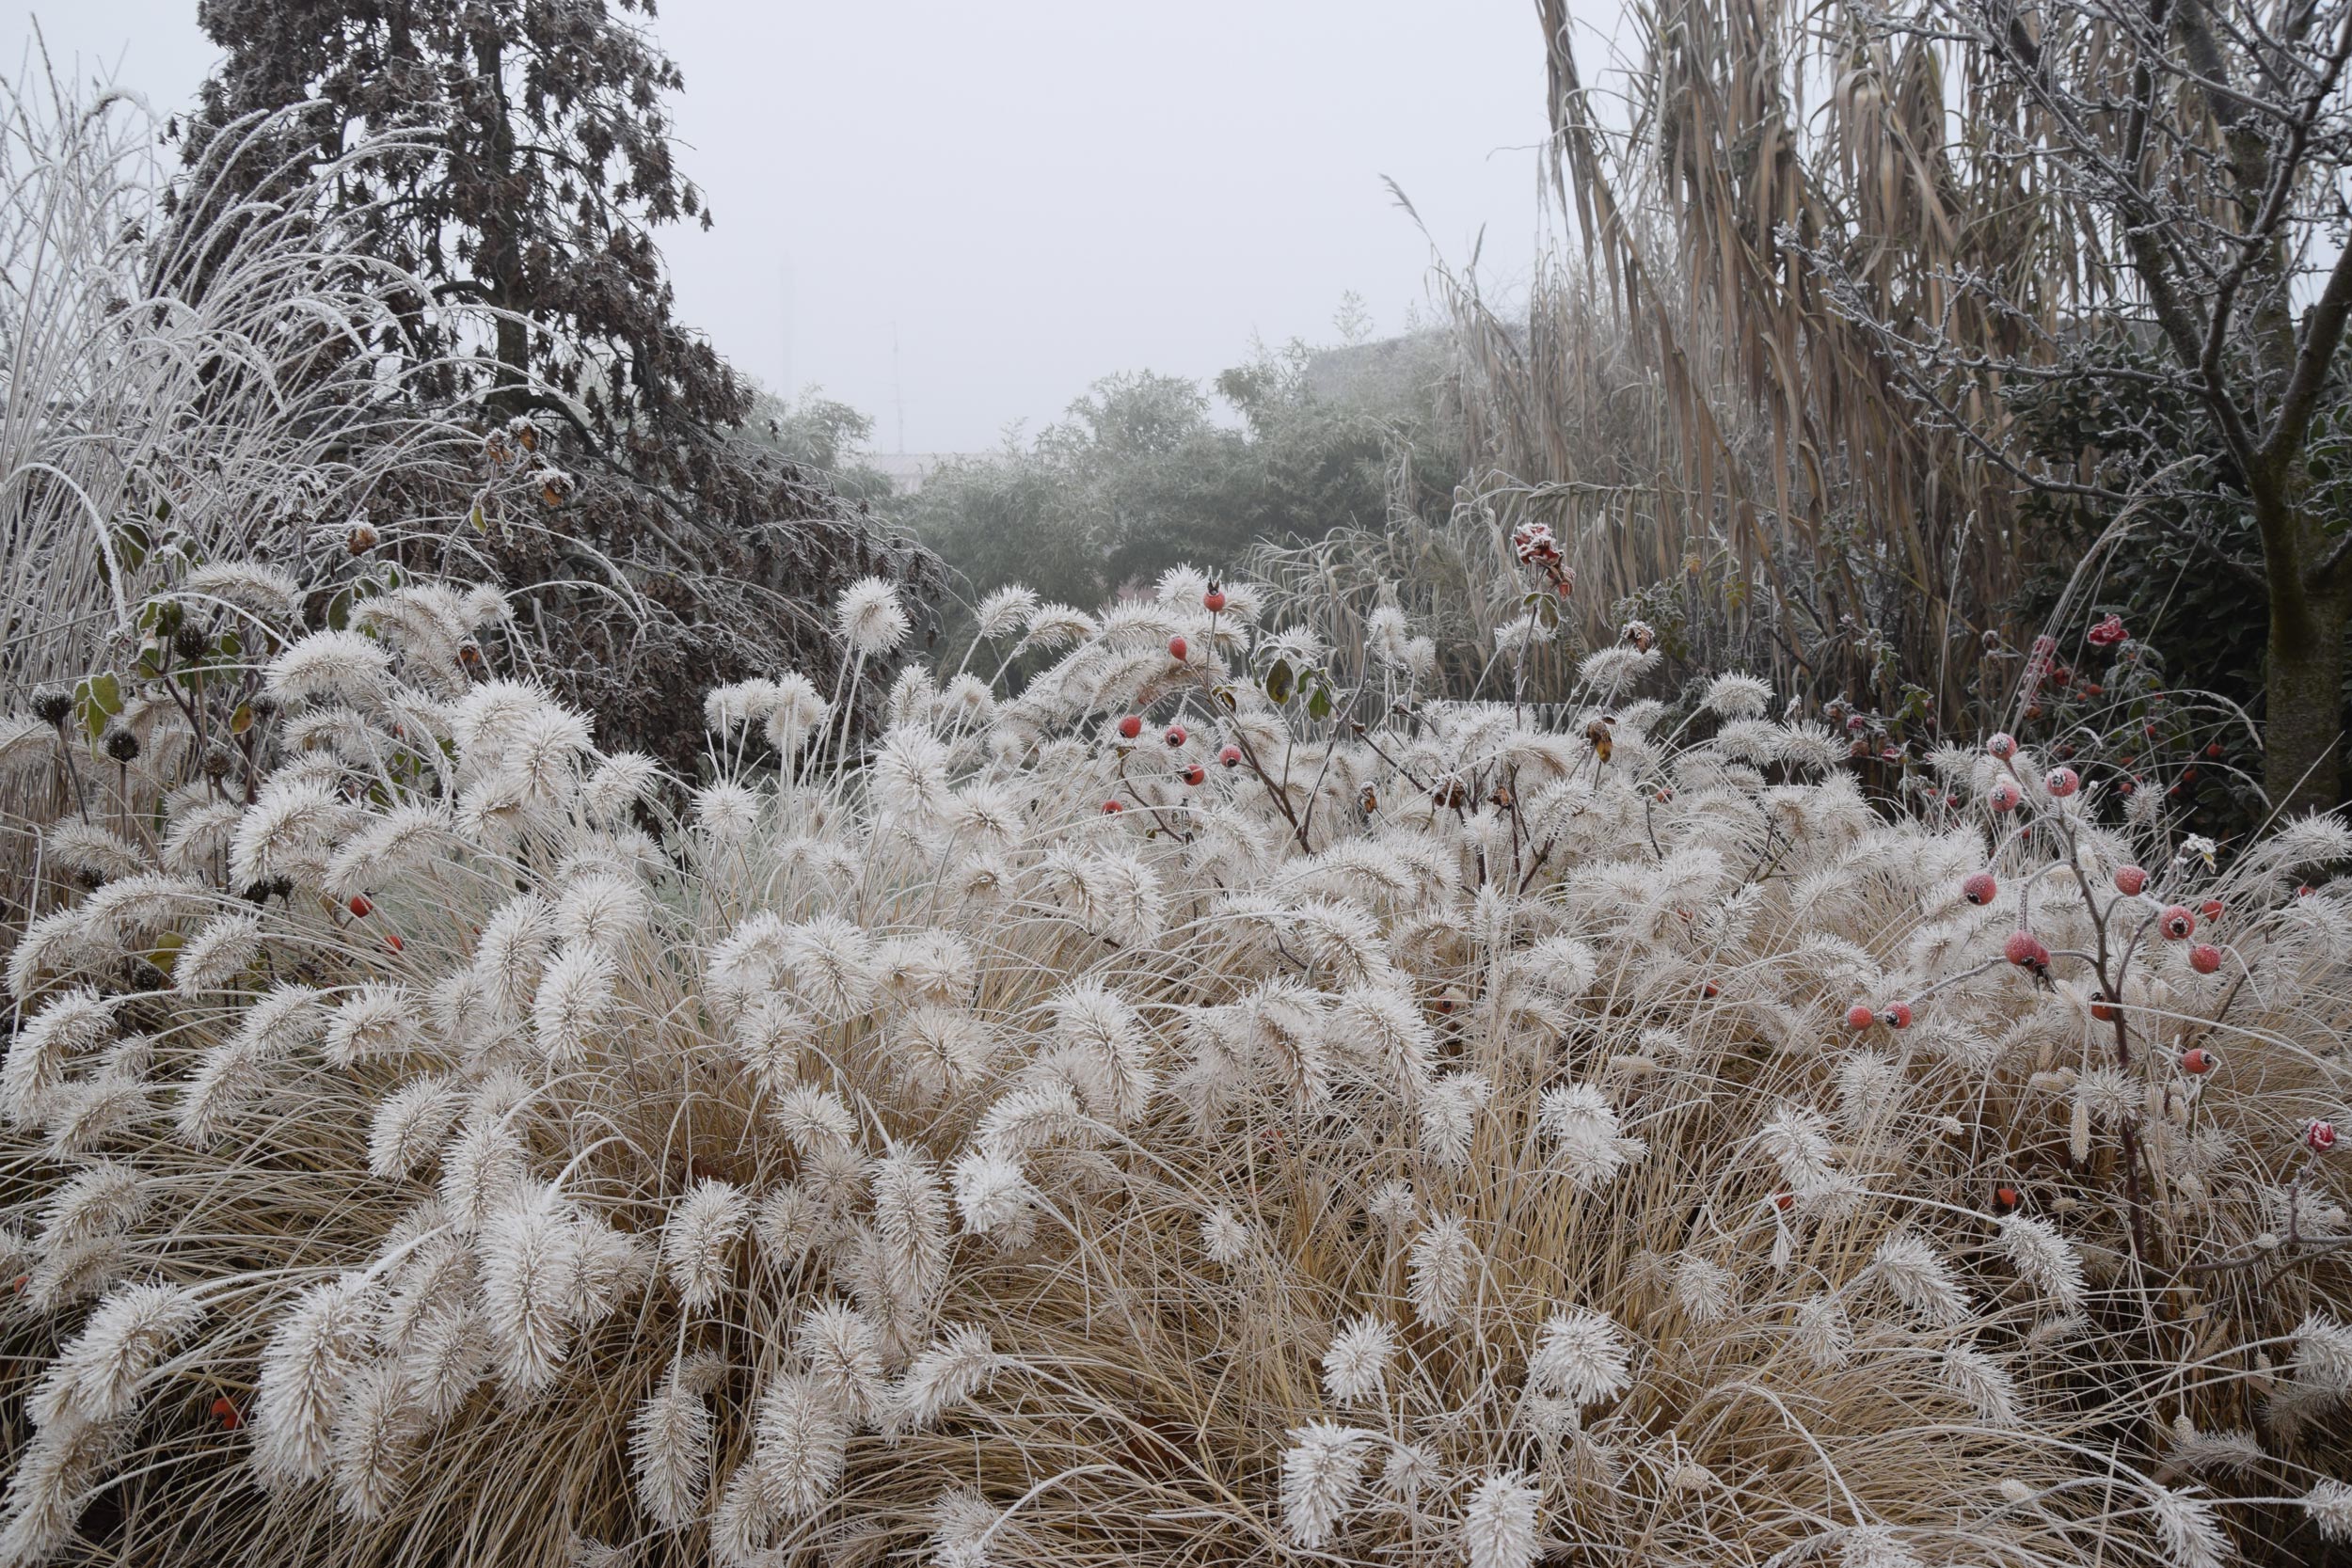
(2026,951)
(361,908)
(1130,725)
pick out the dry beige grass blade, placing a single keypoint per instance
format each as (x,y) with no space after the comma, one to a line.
(1748,128)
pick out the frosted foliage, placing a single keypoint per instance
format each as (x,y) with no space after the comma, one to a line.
(953,1129)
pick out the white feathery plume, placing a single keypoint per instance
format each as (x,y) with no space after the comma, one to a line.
(799,716)
(525,1254)
(831,961)
(269,591)
(56,1475)
(575,994)
(1322,1471)
(372,1023)
(227,1079)
(1028,1117)
(728,810)
(1224,1237)
(1580,1356)
(992,1192)
(375,1440)
(342,664)
(668,1445)
(951,1370)
(1918,1277)
(868,619)
(602,910)
(698,1241)
(612,789)
(98,1375)
(1736,696)
(402,839)
(410,1124)
(2187,1529)
(1797,1138)
(843,1351)
(813,1118)
(283,831)
(1589,1142)
(214,958)
(446,1357)
(1703,1288)
(2328,1506)
(1355,1365)
(479,1169)
(1982,1380)
(911,1221)
(1441,1265)
(2323,1356)
(2042,1258)
(1824,1334)
(1104,1034)
(69,1023)
(308,1363)
(1498,1523)
(107,1199)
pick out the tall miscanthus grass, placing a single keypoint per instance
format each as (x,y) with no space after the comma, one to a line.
(175,392)
(1359,1127)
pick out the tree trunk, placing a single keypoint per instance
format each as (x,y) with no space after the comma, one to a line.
(2304,695)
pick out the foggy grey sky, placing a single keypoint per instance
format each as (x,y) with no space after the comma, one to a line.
(1037,192)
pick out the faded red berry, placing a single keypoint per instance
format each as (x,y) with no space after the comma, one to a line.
(359,905)
(1213,600)
(1859,1016)
(391,940)
(2196,1061)
(1899,1016)
(2205,958)
(1131,726)
(1979,888)
(2004,796)
(1784,1201)
(1230,756)
(2210,910)
(2063,782)
(2025,950)
(1195,774)
(1173,735)
(2006,1197)
(1111,806)
(2176,922)
(1176,646)
(2003,746)
(225,1412)
(2129,880)
(2103,1008)
(2320,1137)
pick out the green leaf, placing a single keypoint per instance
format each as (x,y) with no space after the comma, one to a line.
(98,698)
(1319,705)
(1280,681)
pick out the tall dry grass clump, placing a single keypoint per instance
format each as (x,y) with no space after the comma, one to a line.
(1187,1111)
(187,390)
